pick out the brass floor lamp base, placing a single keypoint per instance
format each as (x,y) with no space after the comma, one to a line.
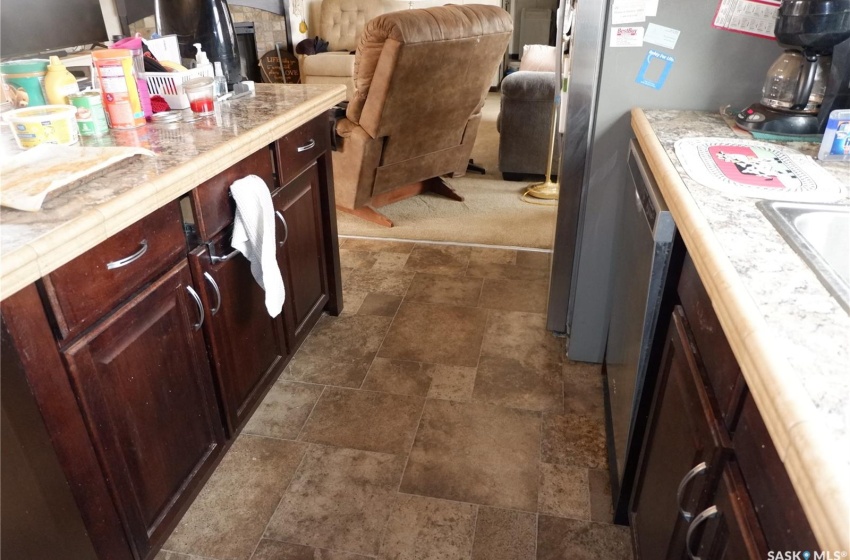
(546,190)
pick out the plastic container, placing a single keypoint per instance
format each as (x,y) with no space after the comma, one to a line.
(201,96)
(24,81)
(169,85)
(117,79)
(59,83)
(135,46)
(836,138)
(47,124)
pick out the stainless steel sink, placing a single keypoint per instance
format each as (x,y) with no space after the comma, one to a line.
(820,233)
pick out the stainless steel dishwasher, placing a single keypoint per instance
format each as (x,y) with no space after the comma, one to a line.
(642,259)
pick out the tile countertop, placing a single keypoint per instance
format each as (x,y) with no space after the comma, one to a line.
(33,244)
(790,336)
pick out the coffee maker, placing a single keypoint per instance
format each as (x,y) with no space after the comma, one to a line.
(810,79)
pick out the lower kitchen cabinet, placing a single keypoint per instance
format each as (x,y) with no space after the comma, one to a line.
(684,444)
(301,251)
(247,346)
(145,391)
(710,484)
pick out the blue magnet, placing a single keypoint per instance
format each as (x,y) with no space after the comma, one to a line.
(649,74)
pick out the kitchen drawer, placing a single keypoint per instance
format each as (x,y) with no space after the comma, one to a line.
(774,499)
(85,289)
(211,203)
(720,364)
(301,147)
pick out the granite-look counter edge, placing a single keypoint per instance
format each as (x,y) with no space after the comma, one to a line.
(72,222)
(801,429)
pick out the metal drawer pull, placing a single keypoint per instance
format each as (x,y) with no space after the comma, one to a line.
(704,515)
(214,285)
(308,146)
(697,470)
(197,299)
(215,259)
(285,227)
(127,260)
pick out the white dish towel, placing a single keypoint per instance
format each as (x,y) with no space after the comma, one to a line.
(254,237)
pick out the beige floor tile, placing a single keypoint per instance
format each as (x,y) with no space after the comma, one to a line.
(378,245)
(383,305)
(507,271)
(438,259)
(477,453)
(364,420)
(583,395)
(284,410)
(515,295)
(274,550)
(168,555)
(437,334)
(564,491)
(351,301)
(533,259)
(601,506)
(522,337)
(508,382)
(392,282)
(572,439)
(481,255)
(454,383)
(428,529)
(356,259)
(339,350)
(559,538)
(390,261)
(502,534)
(399,377)
(452,290)
(340,499)
(227,518)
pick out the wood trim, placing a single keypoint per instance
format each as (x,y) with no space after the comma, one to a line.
(27,325)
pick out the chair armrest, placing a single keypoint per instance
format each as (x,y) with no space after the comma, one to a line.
(529,86)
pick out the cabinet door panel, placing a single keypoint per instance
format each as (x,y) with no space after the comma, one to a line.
(732,532)
(301,252)
(144,385)
(246,345)
(682,434)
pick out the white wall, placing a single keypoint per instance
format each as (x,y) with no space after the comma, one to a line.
(110,16)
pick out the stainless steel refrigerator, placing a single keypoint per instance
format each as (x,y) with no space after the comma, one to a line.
(710,68)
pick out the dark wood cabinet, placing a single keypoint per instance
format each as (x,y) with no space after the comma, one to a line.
(301,252)
(144,387)
(684,446)
(247,347)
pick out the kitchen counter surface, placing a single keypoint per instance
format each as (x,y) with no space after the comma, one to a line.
(33,244)
(791,338)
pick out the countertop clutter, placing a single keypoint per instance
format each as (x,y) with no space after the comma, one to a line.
(788,333)
(77,219)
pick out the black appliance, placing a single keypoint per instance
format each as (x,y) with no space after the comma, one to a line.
(799,101)
(29,27)
(207,22)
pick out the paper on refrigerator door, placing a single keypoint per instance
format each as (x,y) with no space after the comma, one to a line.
(628,11)
(661,36)
(651,8)
(627,36)
(751,17)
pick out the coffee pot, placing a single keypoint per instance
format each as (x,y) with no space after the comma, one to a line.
(795,83)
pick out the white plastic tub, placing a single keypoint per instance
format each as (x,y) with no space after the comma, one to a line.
(45,124)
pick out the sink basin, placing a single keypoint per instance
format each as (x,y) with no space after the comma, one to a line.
(820,234)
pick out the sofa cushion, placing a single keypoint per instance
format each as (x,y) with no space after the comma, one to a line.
(342,21)
(328,64)
(538,58)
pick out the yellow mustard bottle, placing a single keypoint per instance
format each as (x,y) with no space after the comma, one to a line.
(59,83)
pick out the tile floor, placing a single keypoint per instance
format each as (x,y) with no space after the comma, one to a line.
(435,419)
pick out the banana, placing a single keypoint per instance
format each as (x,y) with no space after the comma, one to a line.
(173,66)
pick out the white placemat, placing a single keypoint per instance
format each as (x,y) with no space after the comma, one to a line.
(757,170)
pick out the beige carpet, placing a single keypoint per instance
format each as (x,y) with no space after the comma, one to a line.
(491,214)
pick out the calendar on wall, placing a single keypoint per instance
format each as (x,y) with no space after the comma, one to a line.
(751,17)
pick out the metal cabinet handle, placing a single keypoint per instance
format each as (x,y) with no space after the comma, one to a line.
(703,516)
(697,470)
(127,260)
(197,299)
(308,146)
(215,259)
(285,227)
(214,285)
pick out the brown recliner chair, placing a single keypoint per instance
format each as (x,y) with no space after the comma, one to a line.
(420,77)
